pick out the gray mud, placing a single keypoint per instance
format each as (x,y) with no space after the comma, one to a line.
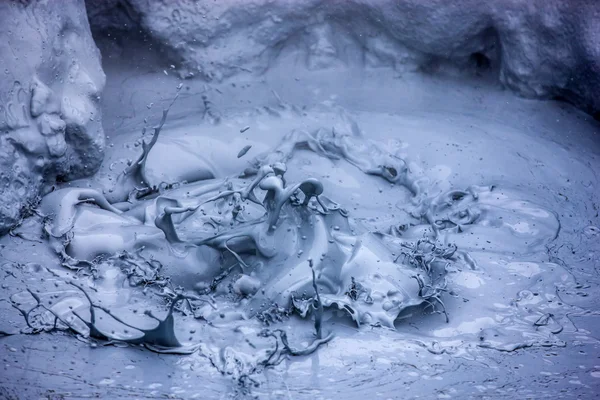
(307,234)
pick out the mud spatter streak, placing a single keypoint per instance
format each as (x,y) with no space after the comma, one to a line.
(262,249)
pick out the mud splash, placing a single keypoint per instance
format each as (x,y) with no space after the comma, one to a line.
(228,260)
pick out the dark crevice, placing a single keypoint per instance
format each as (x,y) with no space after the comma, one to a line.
(481,61)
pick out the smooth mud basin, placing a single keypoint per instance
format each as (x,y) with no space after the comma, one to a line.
(521,299)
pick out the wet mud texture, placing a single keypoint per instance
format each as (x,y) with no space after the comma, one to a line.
(404,243)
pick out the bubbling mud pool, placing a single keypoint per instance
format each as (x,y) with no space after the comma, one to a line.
(248,252)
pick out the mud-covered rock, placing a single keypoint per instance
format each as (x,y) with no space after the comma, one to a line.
(539,48)
(50,85)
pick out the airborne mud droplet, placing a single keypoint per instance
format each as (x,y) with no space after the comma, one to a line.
(243,151)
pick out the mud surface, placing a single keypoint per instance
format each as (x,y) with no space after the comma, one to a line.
(307,234)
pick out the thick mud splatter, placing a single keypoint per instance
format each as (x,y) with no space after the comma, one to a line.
(228,260)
